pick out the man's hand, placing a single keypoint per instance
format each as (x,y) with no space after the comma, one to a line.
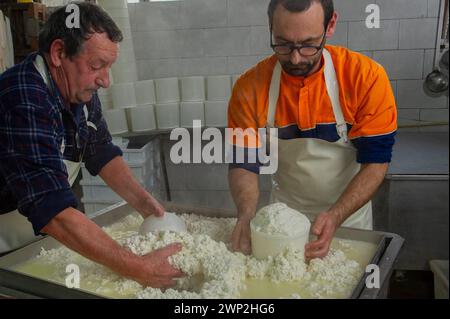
(244,186)
(119,177)
(240,238)
(150,206)
(74,230)
(360,190)
(324,227)
(156,271)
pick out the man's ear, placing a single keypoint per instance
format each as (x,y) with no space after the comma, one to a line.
(332,25)
(57,52)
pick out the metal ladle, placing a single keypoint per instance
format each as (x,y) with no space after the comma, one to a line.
(436,81)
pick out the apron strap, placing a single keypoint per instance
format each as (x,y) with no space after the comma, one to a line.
(73,168)
(333,93)
(274,93)
(39,64)
(332,89)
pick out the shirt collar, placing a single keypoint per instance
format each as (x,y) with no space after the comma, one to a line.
(53,89)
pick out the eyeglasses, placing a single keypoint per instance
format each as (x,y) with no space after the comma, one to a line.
(288,48)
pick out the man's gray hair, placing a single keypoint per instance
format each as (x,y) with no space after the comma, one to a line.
(93,19)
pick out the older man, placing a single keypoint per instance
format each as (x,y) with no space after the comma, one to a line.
(51,121)
(336,119)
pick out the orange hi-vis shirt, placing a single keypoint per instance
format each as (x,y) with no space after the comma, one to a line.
(304,108)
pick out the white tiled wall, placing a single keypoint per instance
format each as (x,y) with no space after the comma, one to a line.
(352,10)
(230,41)
(207,37)
(410,96)
(423,28)
(247,12)
(401,64)
(362,38)
(403,9)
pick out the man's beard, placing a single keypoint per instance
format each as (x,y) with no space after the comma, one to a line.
(301,69)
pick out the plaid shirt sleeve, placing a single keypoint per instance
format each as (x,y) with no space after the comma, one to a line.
(100,149)
(31,160)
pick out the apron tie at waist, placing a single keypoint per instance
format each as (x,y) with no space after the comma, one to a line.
(342,131)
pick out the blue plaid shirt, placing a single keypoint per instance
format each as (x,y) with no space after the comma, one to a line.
(34,124)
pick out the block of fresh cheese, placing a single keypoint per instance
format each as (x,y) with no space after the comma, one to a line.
(277,227)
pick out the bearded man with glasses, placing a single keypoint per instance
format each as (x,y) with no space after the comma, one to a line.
(336,118)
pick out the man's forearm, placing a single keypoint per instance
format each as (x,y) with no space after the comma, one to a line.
(77,232)
(244,186)
(360,190)
(120,178)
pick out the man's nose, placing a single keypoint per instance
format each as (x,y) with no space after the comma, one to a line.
(296,57)
(103,79)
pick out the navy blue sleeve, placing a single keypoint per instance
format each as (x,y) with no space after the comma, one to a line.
(254,168)
(44,208)
(244,158)
(376,149)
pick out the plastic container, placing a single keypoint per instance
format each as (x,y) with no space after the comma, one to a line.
(98,191)
(139,155)
(104,92)
(123,94)
(87,176)
(145,92)
(440,271)
(193,89)
(167,90)
(93,206)
(121,142)
(140,161)
(218,87)
(118,141)
(142,118)
(191,111)
(116,120)
(139,170)
(136,159)
(167,115)
(106,102)
(216,113)
(265,245)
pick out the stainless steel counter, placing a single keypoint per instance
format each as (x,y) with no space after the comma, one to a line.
(414,199)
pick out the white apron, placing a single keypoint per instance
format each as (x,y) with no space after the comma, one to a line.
(15,230)
(313,173)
